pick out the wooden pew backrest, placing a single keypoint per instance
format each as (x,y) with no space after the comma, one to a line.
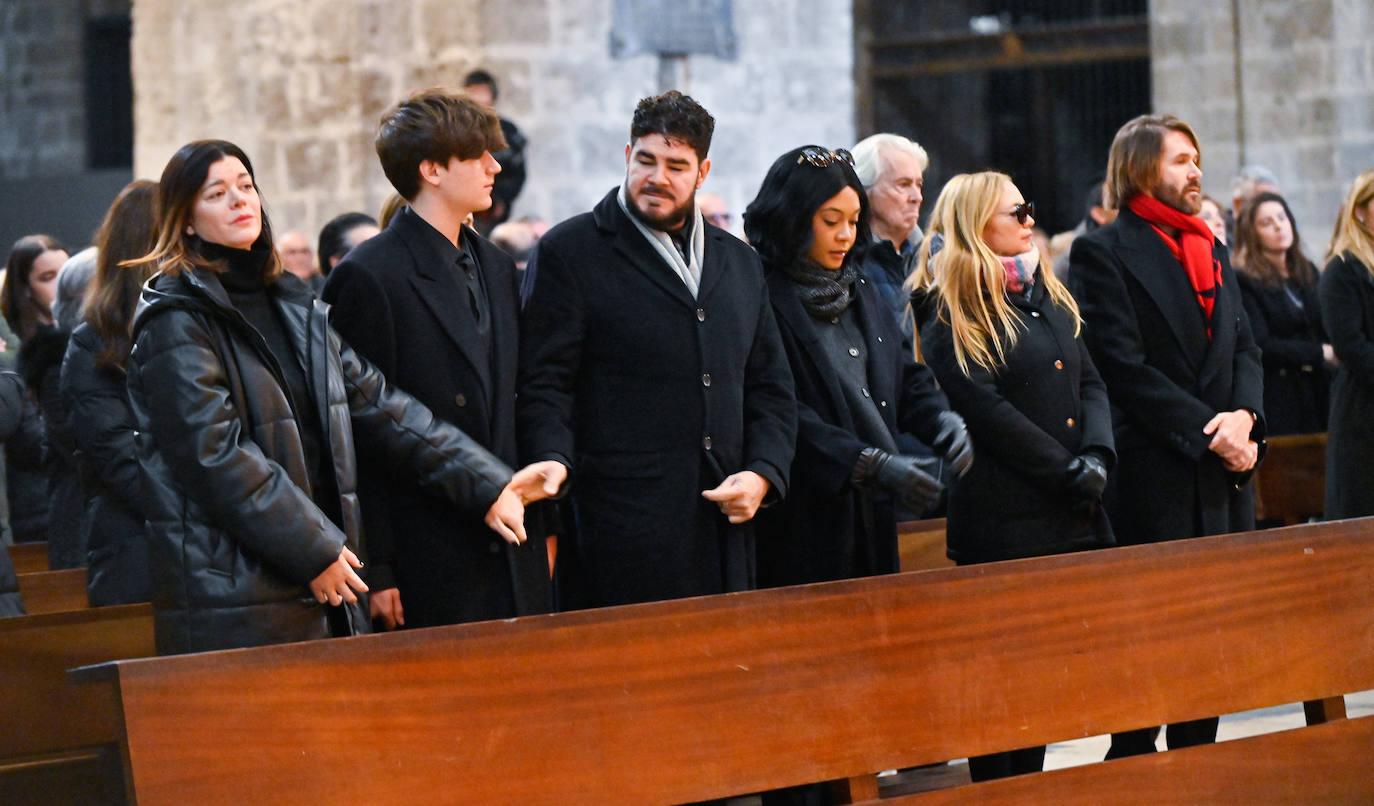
(53,591)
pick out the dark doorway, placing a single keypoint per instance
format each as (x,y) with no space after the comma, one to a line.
(109,93)
(1035,89)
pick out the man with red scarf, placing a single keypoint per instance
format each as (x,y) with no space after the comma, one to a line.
(1163,320)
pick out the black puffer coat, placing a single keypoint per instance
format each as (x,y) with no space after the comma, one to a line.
(234,535)
(101,424)
(11,412)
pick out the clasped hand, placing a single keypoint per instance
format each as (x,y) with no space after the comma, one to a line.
(531,483)
(739,496)
(1230,432)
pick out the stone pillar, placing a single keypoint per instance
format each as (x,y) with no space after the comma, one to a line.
(1303,73)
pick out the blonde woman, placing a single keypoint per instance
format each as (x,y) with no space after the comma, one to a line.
(1002,335)
(1346,291)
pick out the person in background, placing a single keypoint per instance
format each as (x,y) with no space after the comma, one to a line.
(1213,213)
(11,415)
(1165,324)
(1095,215)
(892,170)
(26,300)
(1248,181)
(857,385)
(715,211)
(481,87)
(517,239)
(390,207)
(249,409)
(340,235)
(1279,286)
(99,417)
(293,248)
(1346,291)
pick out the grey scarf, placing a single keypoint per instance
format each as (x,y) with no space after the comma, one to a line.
(689,271)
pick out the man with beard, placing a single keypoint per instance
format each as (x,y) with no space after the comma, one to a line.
(1163,320)
(651,367)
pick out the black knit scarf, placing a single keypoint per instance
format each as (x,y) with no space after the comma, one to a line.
(824,293)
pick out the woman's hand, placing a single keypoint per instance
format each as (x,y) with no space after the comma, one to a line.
(506,517)
(337,583)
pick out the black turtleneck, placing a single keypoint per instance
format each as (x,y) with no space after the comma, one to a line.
(251,295)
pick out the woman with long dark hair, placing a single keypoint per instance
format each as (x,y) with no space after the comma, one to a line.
(1347,297)
(1279,287)
(856,385)
(1004,339)
(99,418)
(248,408)
(31,283)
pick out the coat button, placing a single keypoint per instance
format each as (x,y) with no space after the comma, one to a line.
(880,339)
(864,391)
(854,352)
(1058,364)
(701,314)
(1036,314)
(1069,422)
(705,379)
(461,399)
(706,442)
(882,403)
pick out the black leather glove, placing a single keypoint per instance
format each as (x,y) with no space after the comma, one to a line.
(909,479)
(1087,476)
(953,441)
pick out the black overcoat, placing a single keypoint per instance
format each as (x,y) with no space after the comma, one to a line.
(1148,338)
(827,529)
(1296,384)
(1347,297)
(650,397)
(235,533)
(1028,420)
(102,425)
(400,304)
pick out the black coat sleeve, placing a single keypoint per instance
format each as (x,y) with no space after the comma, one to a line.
(551,336)
(1343,291)
(770,408)
(102,422)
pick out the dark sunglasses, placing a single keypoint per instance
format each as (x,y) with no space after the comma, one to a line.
(823,157)
(1023,211)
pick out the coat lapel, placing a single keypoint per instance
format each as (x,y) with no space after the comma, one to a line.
(436,286)
(794,318)
(631,245)
(1222,349)
(1164,279)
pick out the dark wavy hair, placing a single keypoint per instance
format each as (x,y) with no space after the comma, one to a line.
(17,304)
(674,115)
(334,238)
(127,232)
(1249,255)
(777,222)
(175,250)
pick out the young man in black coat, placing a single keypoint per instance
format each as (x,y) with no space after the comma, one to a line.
(652,368)
(435,307)
(1165,325)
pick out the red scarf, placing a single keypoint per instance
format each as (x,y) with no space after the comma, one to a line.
(1195,251)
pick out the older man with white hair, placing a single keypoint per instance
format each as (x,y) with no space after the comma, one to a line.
(892,170)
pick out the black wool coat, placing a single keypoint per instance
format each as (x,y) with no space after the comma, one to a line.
(396,301)
(650,397)
(828,529)
(1296,384)
(1347,298)
(235,533)
(1148,338)
(102,426)
(1028,420)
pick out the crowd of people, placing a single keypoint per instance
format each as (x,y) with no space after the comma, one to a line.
(274,445)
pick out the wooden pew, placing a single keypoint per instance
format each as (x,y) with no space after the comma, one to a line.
(718,696)
(1290,484)
(29,557)
(53,591)
(921,545)
(58,740)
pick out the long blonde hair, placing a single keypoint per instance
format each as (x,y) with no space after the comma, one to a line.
(1353,235)
(968,277)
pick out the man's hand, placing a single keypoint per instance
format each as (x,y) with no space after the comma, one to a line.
(1230,432)
(538,481)
(506,517)
(337,583)
(739,495)
(1246,461)
(386,607)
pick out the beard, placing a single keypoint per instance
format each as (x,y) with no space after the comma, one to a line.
(667,221)
(1177,198)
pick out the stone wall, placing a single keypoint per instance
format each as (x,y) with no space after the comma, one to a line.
(1303,105)
(300,85)
(42,100)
